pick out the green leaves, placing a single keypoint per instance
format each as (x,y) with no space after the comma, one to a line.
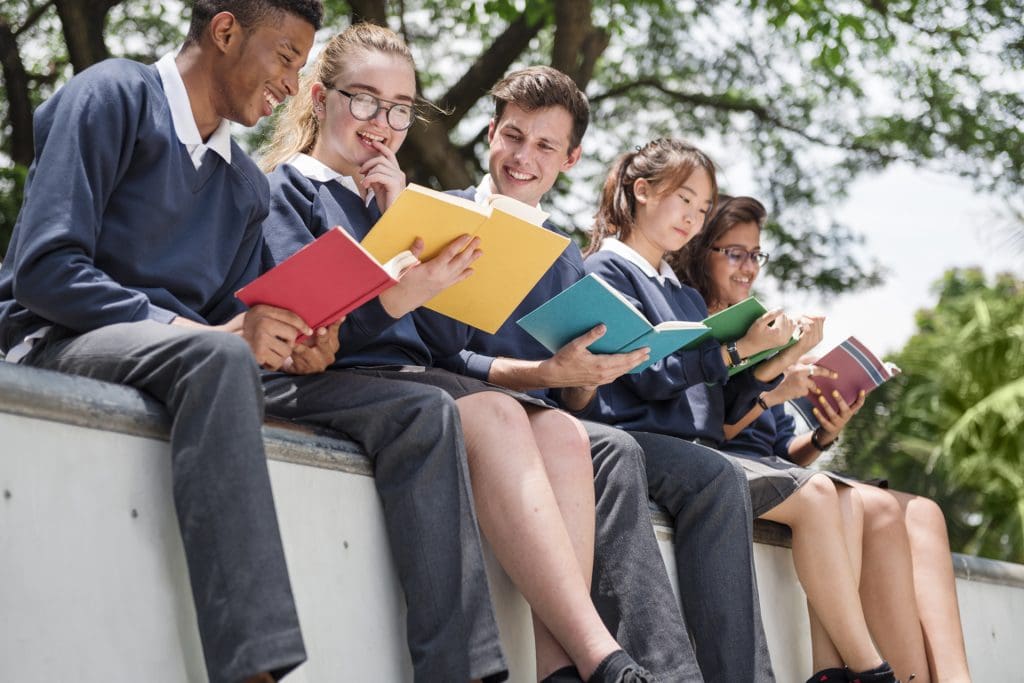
(954,424)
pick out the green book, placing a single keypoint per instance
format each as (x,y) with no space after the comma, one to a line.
(592,301)
(732,323)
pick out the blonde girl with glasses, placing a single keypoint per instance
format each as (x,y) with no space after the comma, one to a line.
(332,162)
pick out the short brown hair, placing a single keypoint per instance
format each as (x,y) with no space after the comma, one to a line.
(250,13)
(538,87)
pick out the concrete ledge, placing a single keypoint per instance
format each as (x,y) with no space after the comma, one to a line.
(84,402)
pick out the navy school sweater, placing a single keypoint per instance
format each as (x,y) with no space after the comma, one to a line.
(687,394)
(770,434)
(117,225)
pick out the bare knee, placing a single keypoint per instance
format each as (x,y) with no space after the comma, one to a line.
(563,443)
(882,511)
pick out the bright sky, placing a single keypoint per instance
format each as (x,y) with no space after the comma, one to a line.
(917,224)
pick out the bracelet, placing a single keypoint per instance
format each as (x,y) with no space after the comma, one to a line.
(734,354)
(817,444)
(761,402)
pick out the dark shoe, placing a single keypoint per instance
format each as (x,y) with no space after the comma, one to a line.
(880,674)
(567,674)
(618,667)
(829,676)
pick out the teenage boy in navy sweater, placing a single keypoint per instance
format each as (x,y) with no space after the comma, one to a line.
(141,218)
(539,122)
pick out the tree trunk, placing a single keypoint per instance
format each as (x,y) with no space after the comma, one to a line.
(19,103)
(429,154)
(372,11)
(578,44)
(83,24)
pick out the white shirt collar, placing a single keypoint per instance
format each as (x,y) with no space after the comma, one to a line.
(184,122)
(627,252)
(314,169)
(485,190)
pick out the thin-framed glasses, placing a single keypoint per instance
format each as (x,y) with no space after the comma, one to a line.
(738,255)
(365,106)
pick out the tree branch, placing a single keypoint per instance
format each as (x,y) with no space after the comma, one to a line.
(84,24)
(33,17)
(739,105)
(490,66)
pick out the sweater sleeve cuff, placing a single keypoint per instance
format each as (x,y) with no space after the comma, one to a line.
(478,365)
(160,315)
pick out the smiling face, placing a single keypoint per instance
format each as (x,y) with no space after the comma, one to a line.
(262,66)
(528,151)
(345,143)
(733,282)
(666,219)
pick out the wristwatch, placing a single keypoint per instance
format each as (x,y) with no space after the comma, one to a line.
(817,444)
(761,402)
(734,354)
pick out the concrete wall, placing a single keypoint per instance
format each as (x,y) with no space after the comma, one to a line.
(92,574)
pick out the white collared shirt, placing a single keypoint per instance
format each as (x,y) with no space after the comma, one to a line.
(627,252)
(314,169)
(184,122)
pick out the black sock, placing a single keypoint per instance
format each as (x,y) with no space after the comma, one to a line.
(880,674)
(618,667)
(567,674)
(832,675)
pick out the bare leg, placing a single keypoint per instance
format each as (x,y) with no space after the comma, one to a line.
(824,654)
(565,453)
(887,585)
(823,566)
(935,587)
(521,518)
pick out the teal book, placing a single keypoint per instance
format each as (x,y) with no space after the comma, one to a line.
(732,323)
(591,302)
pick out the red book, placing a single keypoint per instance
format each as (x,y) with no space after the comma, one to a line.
(859,370)
(325,279)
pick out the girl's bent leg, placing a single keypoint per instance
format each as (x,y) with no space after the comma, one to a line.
(521,518)
(887,585)
(823,566)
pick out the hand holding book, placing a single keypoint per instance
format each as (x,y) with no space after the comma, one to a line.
(423,280)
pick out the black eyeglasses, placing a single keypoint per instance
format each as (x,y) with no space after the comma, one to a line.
(738,255)
(365,106)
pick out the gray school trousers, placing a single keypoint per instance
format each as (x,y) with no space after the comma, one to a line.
(631,587)
(707,495)
(413,435)
(210,385)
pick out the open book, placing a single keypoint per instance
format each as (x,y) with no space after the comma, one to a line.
(732,323)
(326,279)
(517,251)
(859,370)
(592,301)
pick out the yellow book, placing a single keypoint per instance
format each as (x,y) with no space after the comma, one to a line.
(517,251)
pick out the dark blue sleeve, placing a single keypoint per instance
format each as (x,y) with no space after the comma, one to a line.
(785,431)
(740,394)
(84,141)
(296,218)
(674,374)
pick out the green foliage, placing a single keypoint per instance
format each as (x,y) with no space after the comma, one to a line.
(12,186)
(810,94)
(952,426)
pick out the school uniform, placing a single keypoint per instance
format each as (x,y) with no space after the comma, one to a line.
(766,441)
(406,419)
(129,221)
(675,410)
(631,586)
